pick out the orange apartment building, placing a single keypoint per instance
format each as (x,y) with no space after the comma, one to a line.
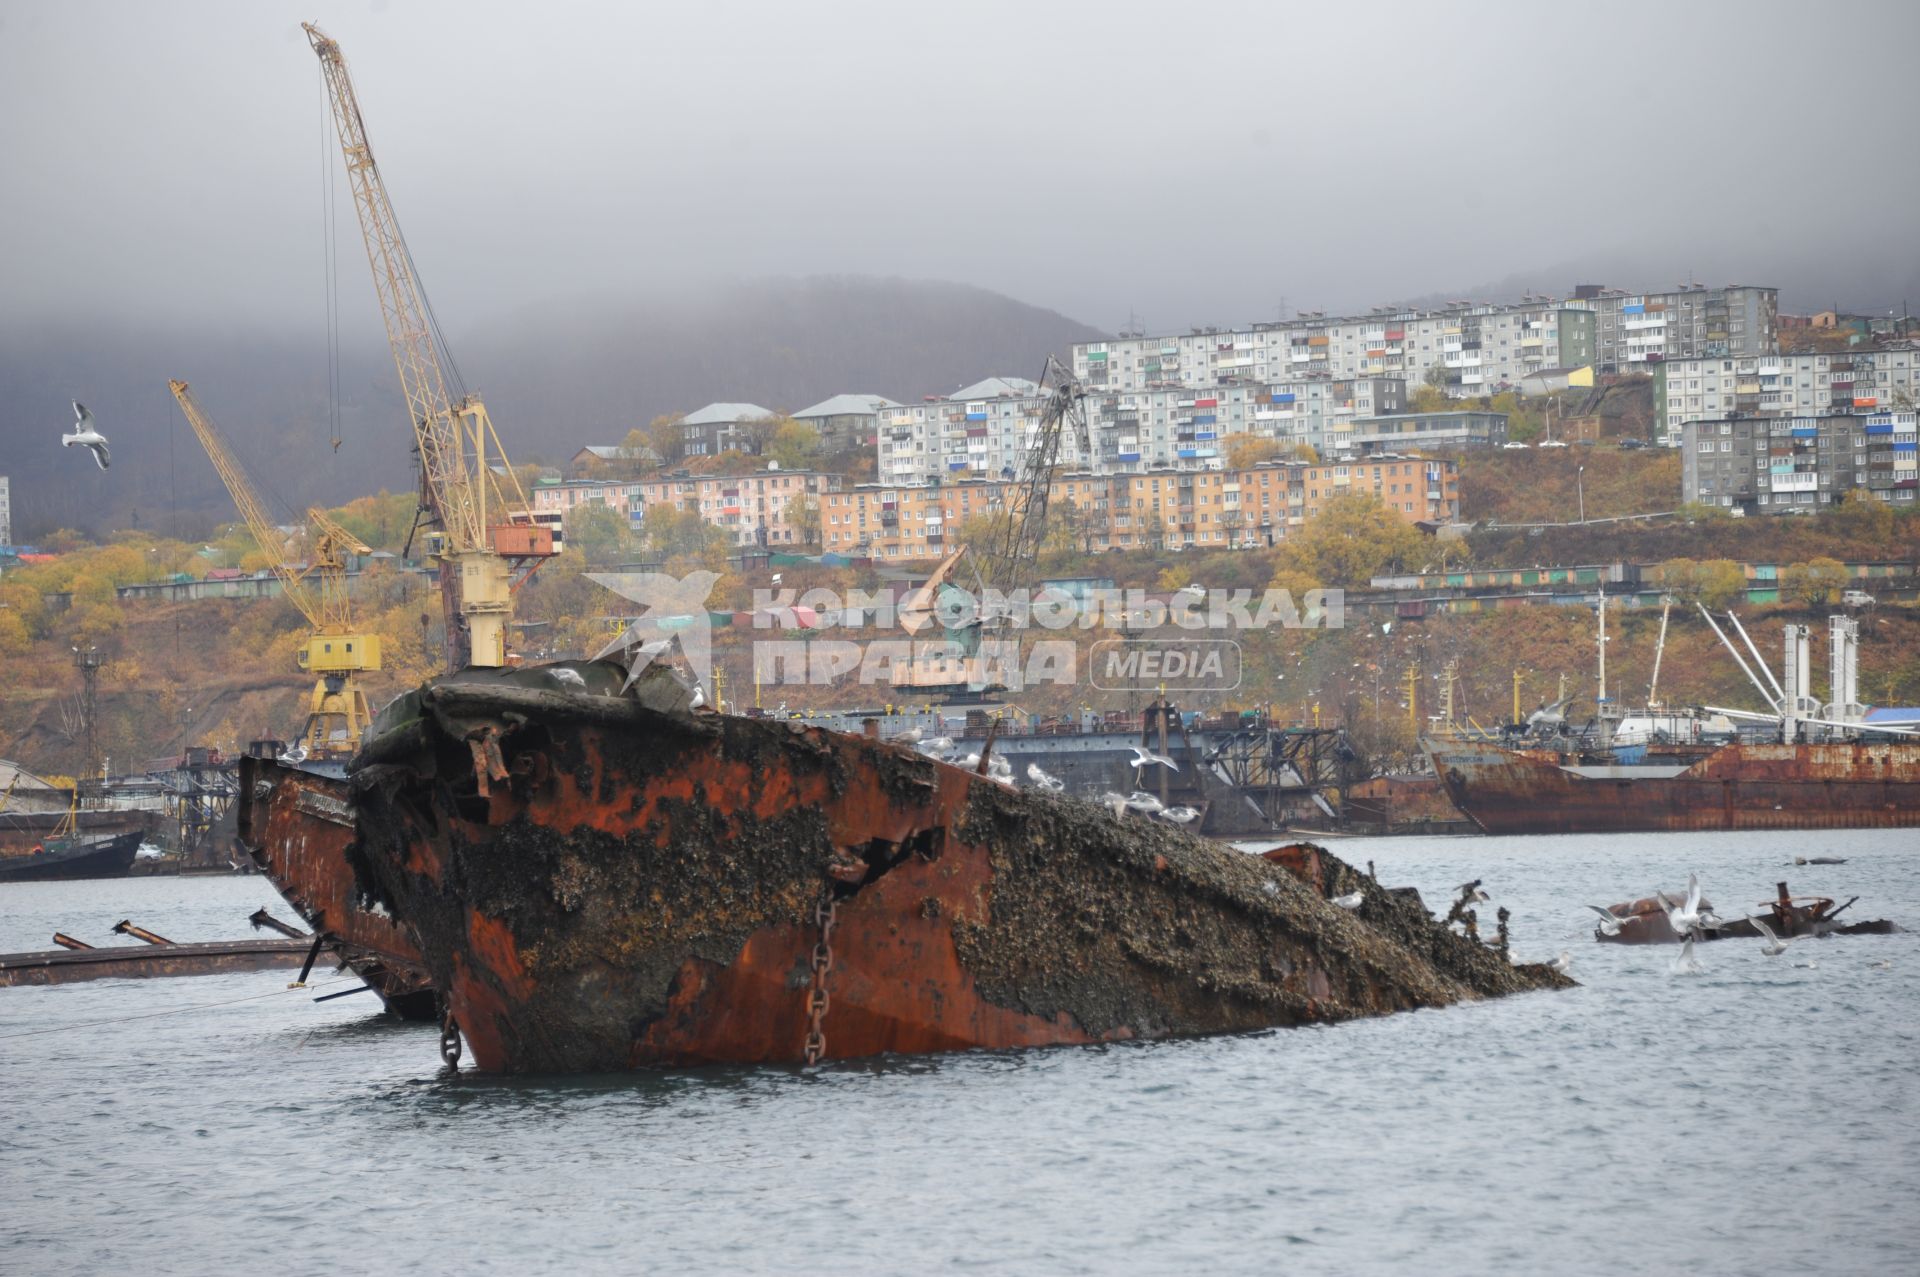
(752,507)
(1171,509)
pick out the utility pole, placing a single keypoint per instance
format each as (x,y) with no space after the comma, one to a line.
(88,661)
(1580,484)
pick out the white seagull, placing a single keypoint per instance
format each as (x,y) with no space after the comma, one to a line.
(1562,962)
(1609,924)
(1774,946)
(1686,963)
(1147,758)
(699,697)
(568,677)
(1687,918)
(1351,900)
(1145,803)
(1052,784)
(86,436)
(1180,815)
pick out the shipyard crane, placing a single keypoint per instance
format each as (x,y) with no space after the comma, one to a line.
(335,649)
(1019,524)
(482,535)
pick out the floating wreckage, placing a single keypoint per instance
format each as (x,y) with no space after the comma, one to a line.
(599,876)
(1646,921)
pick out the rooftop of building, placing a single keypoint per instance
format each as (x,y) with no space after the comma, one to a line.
(846,406)
(997,388)
(721,414)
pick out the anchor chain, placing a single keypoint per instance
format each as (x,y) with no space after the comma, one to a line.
(817,1000)
(450,1041)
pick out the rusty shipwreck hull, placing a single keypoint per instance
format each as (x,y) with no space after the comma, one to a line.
(298,829)
(1645,921)
(600,881)
(1744,787)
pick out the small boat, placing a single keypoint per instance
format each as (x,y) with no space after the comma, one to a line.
(71,857)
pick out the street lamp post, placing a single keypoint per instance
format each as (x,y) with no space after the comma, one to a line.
(1580,483)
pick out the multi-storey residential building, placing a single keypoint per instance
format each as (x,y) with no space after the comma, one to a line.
(983,431)
(1481,349)
(6,513)
(1130,431)
(846,421)
(1141,430)
(1774,465)
(552,499)
(1638,329)
(1165,509)
(1802,385)
(715,428)
(754,508)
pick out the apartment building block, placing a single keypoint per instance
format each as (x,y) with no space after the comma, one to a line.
(846,421)
(754,508)
(983,431)
(714,429)
(1163,509)
(1141,430)
(1481,349)
(1777,465)
(1798,385)
(1635,330)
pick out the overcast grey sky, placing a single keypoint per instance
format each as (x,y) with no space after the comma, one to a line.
(1193,162)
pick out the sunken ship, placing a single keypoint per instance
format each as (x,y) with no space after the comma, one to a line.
(596,874)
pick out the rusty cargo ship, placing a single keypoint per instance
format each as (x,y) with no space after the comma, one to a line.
(597,877)
(1747,786)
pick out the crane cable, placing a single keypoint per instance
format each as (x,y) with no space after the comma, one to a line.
(329,235)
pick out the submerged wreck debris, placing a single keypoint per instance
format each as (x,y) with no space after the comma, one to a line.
(1646,921)
(601,877)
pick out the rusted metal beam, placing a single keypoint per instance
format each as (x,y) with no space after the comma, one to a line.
(66,941)
(262,920)
(216,957)
(124,927)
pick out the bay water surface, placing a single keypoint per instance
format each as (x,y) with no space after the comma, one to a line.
(1762,1116)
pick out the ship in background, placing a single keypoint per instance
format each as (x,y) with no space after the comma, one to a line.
(1804,765)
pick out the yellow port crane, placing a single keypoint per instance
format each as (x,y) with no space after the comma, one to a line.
(484,538)
(335,649)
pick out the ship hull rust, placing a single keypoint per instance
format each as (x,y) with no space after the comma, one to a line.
(601,880)
(1737,787)
(296,826)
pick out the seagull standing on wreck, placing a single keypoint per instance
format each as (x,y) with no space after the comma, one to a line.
(86,435)
(1352,900)
(1052,784)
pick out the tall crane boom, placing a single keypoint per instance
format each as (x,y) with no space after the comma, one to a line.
(1020,524)
(335,649)
(485,535)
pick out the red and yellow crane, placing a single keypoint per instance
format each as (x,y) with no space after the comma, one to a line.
(484,536)
(335,649)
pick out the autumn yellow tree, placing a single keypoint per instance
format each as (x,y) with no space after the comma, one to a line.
(1351,540)
(1814,582)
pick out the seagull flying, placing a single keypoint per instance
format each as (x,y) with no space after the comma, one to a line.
(1686,963)
(86,435)
(1773,945)
(1052,784)
(1687,918)
(1351,900)
(1147,758)
(1609,924)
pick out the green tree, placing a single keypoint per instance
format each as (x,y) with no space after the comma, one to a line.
(1722,583)
(597,531)
(795,445)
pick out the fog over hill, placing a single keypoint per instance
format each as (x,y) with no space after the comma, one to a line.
(554,377)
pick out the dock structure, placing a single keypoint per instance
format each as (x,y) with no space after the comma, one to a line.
(75,960)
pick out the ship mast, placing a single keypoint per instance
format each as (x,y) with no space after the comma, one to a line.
(1659,649)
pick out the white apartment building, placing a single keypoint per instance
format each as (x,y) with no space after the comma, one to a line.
(1187,429)
(983,431)
(1482,349)
(1800,385)
(1639,329)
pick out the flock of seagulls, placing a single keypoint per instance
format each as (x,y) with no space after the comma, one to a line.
(1139,802)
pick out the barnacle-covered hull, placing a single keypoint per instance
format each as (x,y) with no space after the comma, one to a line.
(600,881)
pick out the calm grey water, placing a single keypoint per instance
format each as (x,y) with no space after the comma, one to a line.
(1761,1117)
